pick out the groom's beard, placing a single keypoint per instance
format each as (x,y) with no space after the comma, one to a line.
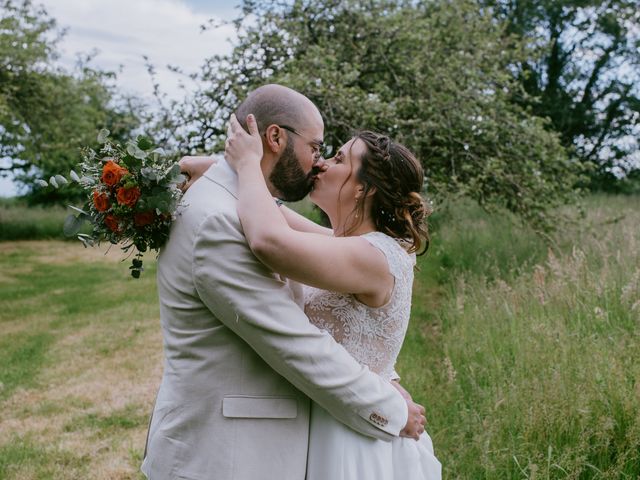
(289,178)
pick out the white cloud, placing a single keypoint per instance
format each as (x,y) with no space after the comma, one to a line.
(167,31)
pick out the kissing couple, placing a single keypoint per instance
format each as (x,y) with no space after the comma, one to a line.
(280,335)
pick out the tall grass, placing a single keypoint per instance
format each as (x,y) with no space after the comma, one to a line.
(528,359)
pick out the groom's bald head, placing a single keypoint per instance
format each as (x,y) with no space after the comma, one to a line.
(275,104)
(288,166)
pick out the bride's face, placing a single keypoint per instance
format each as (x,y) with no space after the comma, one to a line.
(335,189)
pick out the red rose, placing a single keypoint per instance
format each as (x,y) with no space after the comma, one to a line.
(144,218)
(100,201)
(128,196)
(112,173)
(113,223)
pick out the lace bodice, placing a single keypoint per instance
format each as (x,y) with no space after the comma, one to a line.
(373,336)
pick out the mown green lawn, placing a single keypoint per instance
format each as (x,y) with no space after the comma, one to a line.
(524,353)
(80,354)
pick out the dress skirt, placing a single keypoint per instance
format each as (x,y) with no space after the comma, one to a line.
(338,453)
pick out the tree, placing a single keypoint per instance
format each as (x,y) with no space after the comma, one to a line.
(582,71)
(433,75)
(46,113)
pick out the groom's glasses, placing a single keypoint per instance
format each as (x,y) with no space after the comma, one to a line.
(320,150)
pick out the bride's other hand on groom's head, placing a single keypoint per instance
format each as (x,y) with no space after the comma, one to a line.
(193,167)
(241,148)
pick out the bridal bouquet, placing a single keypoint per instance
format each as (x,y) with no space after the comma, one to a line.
(132,193)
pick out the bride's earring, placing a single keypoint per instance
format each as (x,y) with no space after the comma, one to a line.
(357,213)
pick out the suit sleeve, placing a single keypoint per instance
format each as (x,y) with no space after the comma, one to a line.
(257,306)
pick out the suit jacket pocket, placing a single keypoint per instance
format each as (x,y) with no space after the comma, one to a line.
(250,406)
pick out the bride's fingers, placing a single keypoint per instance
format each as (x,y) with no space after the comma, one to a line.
(252,125)
(235,124)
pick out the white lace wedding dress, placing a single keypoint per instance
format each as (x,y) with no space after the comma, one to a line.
(374,337)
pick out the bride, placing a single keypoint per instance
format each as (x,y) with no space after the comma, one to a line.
(359,275)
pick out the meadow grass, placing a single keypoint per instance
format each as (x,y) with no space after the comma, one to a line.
(524,353)
(528,361)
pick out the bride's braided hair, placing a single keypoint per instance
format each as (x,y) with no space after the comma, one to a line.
(397,176)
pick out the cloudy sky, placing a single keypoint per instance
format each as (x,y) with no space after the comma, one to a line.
(122,31)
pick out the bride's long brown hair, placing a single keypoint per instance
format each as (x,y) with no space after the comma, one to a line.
(396,177)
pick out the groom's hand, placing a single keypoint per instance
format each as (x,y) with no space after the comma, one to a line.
(415,422)
(416,419)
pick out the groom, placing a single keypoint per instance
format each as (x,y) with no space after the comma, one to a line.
(241,357)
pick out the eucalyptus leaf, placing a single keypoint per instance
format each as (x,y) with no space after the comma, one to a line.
(159,151)
(179,179)
(74,176)
(61,180)
(79,210)
(140,154)
(149,173)
(87,240)
(87,180)
(42,183)
(136,152)
(172,173)
(72,225)
(103,135)
(53,182)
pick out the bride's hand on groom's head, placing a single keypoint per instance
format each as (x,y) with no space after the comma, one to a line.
(241,148)
(193,167)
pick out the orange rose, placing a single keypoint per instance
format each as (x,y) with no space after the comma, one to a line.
(128,196)
(101,201)
(143,218)
(113,223)
(112,173)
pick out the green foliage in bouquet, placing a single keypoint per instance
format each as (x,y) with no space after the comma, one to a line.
(131,193)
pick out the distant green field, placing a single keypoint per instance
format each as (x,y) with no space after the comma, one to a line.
(19,222)
(525,355)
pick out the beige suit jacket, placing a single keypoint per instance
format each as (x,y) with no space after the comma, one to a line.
(241,359)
